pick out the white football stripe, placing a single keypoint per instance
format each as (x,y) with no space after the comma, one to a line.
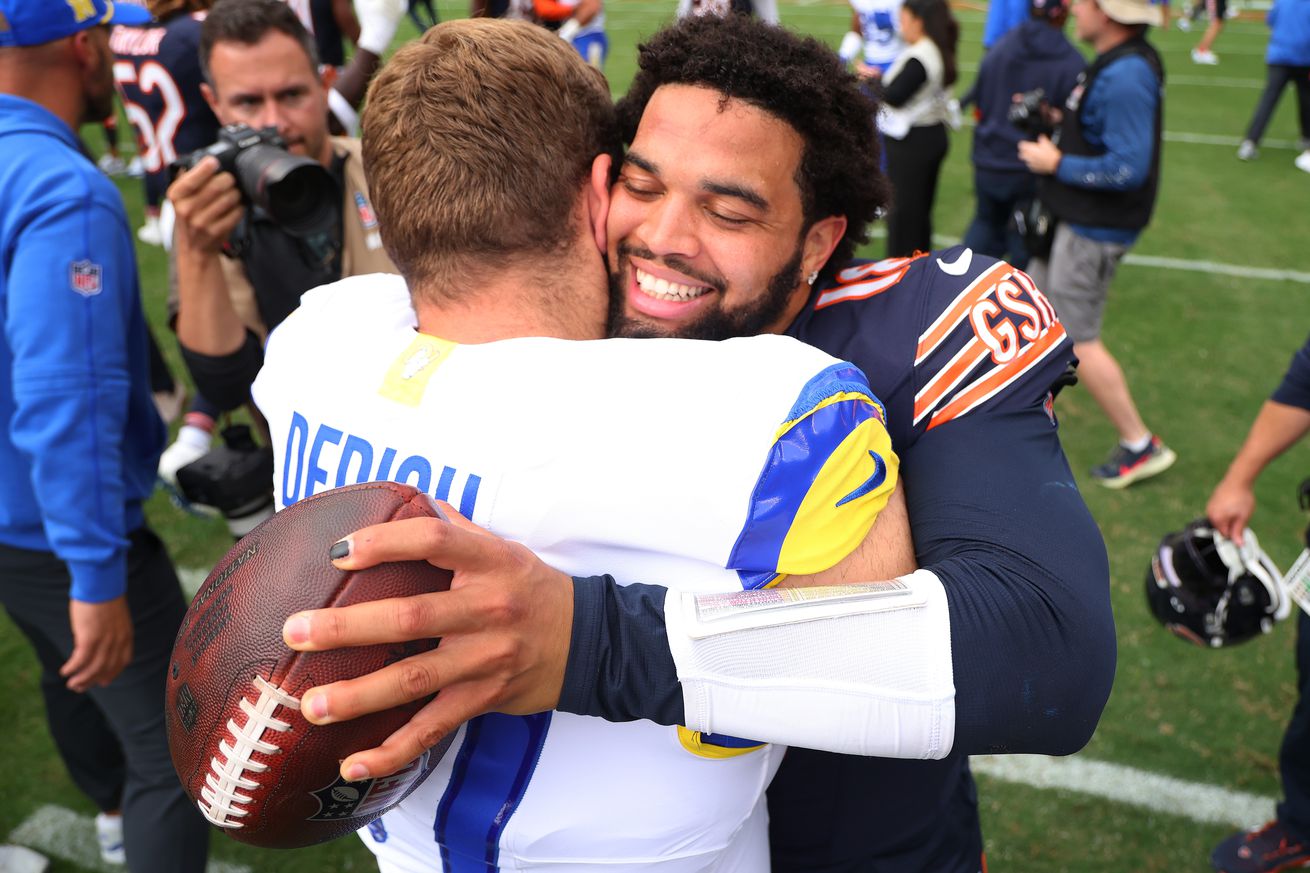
(1273,274)
(1198,801)
(61,833)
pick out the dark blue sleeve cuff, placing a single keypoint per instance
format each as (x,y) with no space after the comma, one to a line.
(620,667)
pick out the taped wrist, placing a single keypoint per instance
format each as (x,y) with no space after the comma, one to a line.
(619,666)
(853,669)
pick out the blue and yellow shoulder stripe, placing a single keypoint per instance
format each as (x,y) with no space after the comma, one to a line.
(829,473)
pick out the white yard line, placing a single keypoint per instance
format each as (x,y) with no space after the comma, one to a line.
(1211,267)
(61,833)
(1209,804)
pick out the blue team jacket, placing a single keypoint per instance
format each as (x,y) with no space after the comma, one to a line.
(81,437)
(1289,37)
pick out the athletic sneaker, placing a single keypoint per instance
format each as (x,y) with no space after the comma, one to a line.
(1184,23)
(109,834)
(111,165)
(1266,849)
(1125,466)
(1247,151)
(150,232)
(136,168)
(1208,58)
(1303,161)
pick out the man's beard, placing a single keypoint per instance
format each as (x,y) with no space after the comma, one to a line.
(716,322)
(100,98)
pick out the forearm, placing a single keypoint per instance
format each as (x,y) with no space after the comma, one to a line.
(352,84)
(225,380)
(207,322)
(1277,428)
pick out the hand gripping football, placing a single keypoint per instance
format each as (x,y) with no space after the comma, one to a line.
(243,751)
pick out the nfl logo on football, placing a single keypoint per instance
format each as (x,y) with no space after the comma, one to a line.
(84,278)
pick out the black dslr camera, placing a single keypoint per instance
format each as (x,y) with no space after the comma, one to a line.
(1027,115)
(298,193)
(234,478)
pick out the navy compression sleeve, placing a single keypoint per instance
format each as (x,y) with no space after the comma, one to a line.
(225,380)
(620,667)
(1000,521)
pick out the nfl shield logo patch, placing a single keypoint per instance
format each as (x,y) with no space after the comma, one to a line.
(84,278)
(365,210)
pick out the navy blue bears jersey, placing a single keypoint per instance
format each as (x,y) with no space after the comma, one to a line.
(157,72)
(940,336)
(964,352)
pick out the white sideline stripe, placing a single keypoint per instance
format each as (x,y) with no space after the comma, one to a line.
(1274,275)
(61,833)
(1197,801)
(1230,141)
(1219,269)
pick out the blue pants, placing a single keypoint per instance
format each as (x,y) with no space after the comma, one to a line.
(1294,757)
(993,232)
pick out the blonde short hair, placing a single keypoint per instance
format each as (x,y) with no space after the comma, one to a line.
(477,141)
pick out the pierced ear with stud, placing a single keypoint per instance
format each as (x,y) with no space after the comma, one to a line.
(810,279)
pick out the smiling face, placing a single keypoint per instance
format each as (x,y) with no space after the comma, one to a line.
(707,233)
(271,83)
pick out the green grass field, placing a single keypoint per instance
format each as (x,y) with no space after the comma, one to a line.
(1201,350)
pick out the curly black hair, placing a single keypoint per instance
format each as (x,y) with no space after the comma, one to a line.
(796,79)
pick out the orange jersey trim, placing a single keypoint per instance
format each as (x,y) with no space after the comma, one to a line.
(959,310)
(988,385)
(865,281)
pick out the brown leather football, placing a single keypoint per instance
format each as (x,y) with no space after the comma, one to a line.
(245,754)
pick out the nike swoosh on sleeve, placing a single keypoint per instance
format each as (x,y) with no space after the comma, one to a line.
(879,475)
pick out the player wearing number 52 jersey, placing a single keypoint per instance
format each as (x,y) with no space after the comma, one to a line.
(719,466)
(157,71)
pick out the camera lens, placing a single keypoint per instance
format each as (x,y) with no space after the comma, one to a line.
(298,193)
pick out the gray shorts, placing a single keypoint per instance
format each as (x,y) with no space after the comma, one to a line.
(1076,277)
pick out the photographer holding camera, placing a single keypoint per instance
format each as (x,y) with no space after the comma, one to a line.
(1036,60)
(277,206)
(1100,175)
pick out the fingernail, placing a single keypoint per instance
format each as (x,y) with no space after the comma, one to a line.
(316,706)
(356,772)
(340,549)
(296,630)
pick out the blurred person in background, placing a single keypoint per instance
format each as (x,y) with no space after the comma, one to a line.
(1100,176)
(1283,420)
(239,272)
(874,41)
(81,573)
(581,23)
(1036,54)
(157,73)
(914,118)
(1288,60)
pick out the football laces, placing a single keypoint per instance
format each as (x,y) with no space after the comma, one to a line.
(231,770)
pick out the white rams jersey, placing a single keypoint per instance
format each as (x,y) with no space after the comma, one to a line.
(698,465)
